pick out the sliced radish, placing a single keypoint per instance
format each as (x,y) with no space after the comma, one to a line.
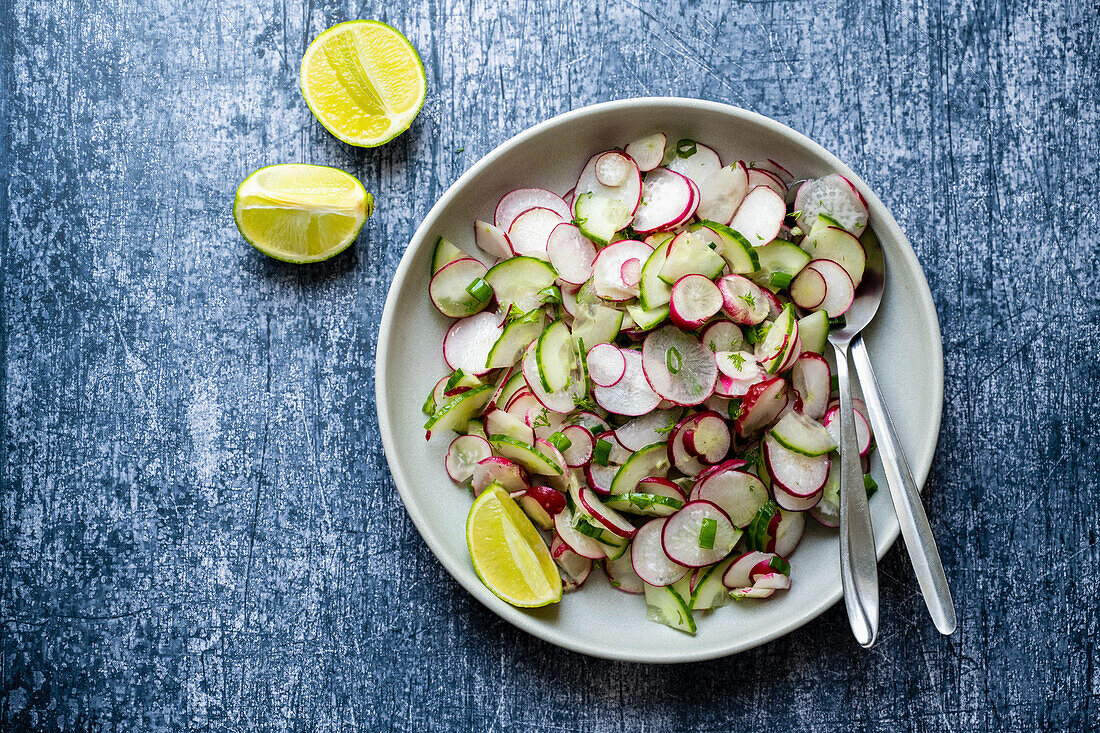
(775,305)
(789,532)
(579,543)
(740,495)
(647,429)
(551,500)
(561,401)
(812,379)
(794,503)
(699,534)
(492,240)
(697,162)
(839,290)
(721,193)
(549,450)
(623,198)
(514,203)
(761,405)
(737,574)
(581,443)
(574,568)
(723,336)
(630,396)
(780,172)
(606,365)
(678,455)
(759,217)
(607,270)
(863,430)
(836,197)
(571,254)
(808,288)
(799,475)
(452,288)
(608,518)
(743,301)
(612,168)
(530,231)
(730,464)
(678,367)
(631,272)
(654,496)
(468,342)
(647,555)
(667,198)
(499,422)
(621,575)
(695,197)
(509,474)
(599,477)
(708,438)
(649,151)
(838,245)
(464,454)
(759,177)
(740,366)
(695,298)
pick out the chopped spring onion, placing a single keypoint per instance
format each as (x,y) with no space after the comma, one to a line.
(673,360)
(559,441)
(686,148)
(601,452)
(780,279)
(707,532)
(780,565)
(479,289)
(870,484)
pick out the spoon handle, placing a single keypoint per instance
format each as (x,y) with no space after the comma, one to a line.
(914,522)
(858,560)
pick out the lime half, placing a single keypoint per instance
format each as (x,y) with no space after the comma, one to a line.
(363,81)
(508,554)
(301,213)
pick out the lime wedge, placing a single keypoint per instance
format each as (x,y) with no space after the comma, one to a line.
(363,81)
(301,213)
(508,553)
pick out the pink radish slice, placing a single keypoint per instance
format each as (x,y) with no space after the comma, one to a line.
(647,429)
(678,367)
(740,495)
(831,422)
(516,202)
(694,299)
(775,305)
(667,198)
(808,288)
(545,422)
(792,353)
(759,217)
(492,240)
(826,513)
(660,486)
(759,177)
(698,166)
(678,455)
(551,500)
(681,535)
(579,543)
(467,343)
(630,396)
(628,193)
(647,555)
(800,476)
(557,401)
(574,568)
(612,168)
(835,196)
(726,388)
(743,301)
(812,379)
(619,454)
(793,503)
(631,272)
(739,365)
(571,254)
(789,532)
(708,439)
(839,290)
(530,231)
(600,477)
(721,193)
(621,575)
(606,365)
(447,288)
(569,296)
(723,336)
(760,406)
(780,171)
(581,443)
(550,450)
(649,151)
(520,402)
(542,519)
(732,464)
(771,581)
(590,420)
(696,197)
(607,270)
(508,474)
(608,518)
(737,574)
(463,455)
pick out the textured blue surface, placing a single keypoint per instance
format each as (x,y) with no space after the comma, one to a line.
(197,525)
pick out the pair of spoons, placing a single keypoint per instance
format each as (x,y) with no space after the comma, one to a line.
(858,559)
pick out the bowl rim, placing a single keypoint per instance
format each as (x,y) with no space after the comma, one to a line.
(920,464)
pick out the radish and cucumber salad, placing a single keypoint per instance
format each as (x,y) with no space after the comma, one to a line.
(639,364)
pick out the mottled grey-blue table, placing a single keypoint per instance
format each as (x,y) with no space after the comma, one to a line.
(198,530)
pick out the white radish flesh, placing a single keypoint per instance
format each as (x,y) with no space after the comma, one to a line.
(760,216)
(468,342)
(647,555)
(667,198)
(581,443)
(607,278)
(612,168)
(509,474)
(836,197)
(801,476)
(739,494)
(743,301)
(571,254)
(812,379)
(649,151)
(530,232)
(464,454)
(678,367)
(863,430)
(606,365)
(694,299)
(516,202)
(808,288)
(492,240)
(721,193)
(630,396)
(448,288)
(840,293)
(685,537)
(697,165)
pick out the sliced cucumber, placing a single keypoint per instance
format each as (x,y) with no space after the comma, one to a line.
(599,218)
(738,253)
(646,320)
(514,384)
(459,290)
(838,245)
(645,504)
(665,606)
(813,329)
(760,532)
(596,324)
(525,455)
(554,356)
(773,350)
(652,290)
(649,461)
(802,434)
(711,592)
(689,254)
(516,337)
(455,412)
(445,253)
(782,257)
(518,281)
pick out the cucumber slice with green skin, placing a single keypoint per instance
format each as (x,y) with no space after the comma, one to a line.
(689,254)
(649,461)
(645,504)
(456,411)
(646,320)
(444,253)
(779,256)
(517,336)
(554,356)
(476,428)
(710,592)
(665,606)
(654,292)
(838,245)
(455,289)
(814,331)
(517,281)
(803,434)
(511,383)
(499,422)
(740,256)
(599,217)
(773,350)
(526,455)
(562,401)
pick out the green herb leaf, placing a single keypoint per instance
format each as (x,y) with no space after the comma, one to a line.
(780,565)
(870,484)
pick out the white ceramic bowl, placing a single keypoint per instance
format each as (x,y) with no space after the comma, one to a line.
(904,341)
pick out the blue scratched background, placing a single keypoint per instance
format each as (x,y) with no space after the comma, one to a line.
(198,530)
